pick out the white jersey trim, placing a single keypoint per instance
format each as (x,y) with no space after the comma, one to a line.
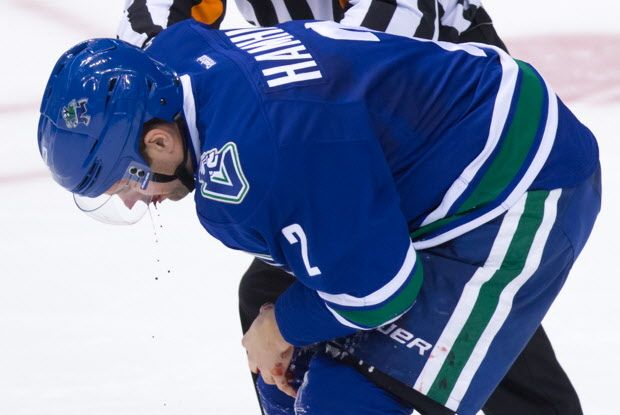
(532,171)
(381,294)
(347,323)
(189,109)
(501,109)
(468,298)
(504,305)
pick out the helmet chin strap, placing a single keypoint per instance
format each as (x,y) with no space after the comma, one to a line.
(182,173)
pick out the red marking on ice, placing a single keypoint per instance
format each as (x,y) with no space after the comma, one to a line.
(579,67)
(19,107)
(24,177)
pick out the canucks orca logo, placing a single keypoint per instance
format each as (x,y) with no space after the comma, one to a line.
(221,176)
(75,113)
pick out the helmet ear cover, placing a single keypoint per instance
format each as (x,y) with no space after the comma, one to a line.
(98,98)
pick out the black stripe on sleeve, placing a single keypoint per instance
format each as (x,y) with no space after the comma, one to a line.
(218,22)
(140,19)
(299,9)
(181,10)
(446,33)
(379,14)
(426,29)
(265,12)
(482,30)
(338,10)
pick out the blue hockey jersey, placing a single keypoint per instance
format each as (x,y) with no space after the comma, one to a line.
(339,153)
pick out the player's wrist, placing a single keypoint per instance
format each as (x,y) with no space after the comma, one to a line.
(267,313)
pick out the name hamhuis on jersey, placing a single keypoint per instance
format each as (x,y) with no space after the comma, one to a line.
(281,57)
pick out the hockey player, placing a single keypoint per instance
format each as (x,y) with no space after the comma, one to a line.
(536,376)
(301,160)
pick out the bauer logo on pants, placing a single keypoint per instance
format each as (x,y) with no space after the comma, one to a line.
(221,176)
(405,338)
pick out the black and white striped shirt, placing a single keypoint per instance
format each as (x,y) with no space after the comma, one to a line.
(431,19)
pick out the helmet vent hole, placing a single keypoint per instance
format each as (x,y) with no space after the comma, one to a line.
(150,85)
(112,84)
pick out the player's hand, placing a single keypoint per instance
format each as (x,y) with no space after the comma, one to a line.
(268,353)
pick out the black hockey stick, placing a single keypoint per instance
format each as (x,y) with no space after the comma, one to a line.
(404,393)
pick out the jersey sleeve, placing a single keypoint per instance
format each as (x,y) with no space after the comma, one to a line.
(344,237)
(144,19)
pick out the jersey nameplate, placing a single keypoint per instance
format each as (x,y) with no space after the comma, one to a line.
(282,59)
(220,175)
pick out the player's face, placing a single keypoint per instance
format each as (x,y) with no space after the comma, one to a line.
(174,190)
(131,193)
(127,200)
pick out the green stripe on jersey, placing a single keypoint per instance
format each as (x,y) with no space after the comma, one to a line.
(488,297)
(516,145)
(512,153)
(390,309)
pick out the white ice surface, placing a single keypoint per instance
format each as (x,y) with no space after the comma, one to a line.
(92,322)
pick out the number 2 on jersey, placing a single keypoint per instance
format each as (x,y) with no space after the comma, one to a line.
(293,234)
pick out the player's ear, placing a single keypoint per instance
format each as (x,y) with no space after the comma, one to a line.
(158,140)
